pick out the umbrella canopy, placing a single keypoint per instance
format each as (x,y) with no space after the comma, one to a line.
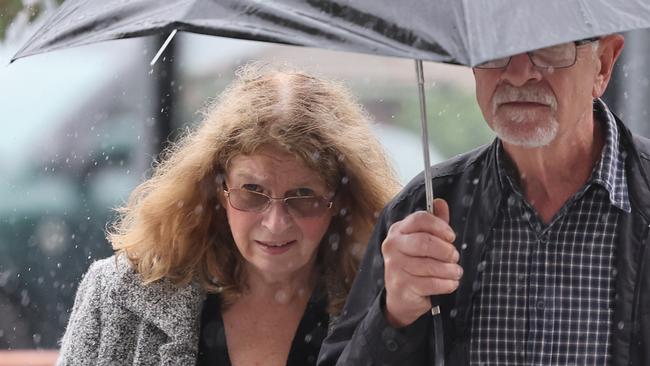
(466,32)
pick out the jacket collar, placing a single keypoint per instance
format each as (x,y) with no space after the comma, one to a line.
(174,310)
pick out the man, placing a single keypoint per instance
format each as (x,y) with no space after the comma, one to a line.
(537,253)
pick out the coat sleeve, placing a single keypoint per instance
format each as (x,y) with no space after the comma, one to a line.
(362,335)
(80,343)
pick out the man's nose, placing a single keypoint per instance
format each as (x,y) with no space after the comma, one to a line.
(520,70)
(277,218)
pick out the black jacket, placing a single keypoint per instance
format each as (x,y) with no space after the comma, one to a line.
(469,184)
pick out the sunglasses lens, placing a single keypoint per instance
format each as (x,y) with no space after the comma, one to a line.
(245,200)
(307,206)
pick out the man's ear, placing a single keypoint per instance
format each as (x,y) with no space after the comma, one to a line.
(609,49)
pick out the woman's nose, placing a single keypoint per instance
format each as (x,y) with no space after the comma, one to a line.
(276,218)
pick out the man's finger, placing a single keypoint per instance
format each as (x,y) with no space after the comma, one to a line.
(426,245)
(422,221)
(441,209)
(428,267)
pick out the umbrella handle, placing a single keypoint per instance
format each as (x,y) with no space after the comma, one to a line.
(438,337)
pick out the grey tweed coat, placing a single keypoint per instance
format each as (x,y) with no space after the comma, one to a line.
(116,320)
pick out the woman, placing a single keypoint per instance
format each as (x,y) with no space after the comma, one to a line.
(244,243)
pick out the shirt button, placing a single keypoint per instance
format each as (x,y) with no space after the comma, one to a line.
(391,345)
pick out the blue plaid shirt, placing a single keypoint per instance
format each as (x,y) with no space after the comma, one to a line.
(545,292)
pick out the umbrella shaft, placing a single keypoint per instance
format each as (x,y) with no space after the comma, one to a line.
(425,137)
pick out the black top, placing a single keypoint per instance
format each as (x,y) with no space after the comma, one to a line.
(213,348)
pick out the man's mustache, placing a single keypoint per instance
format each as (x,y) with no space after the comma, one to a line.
(534,94)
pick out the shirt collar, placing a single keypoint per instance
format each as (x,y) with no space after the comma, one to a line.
(609,172)
(610,169)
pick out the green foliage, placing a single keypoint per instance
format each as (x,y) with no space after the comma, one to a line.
(9,9)
(455,121)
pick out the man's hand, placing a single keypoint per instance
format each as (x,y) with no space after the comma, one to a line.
(420,260)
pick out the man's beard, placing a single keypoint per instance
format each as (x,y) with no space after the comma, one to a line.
(524,127)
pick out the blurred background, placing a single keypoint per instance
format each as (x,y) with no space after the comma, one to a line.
(80,129)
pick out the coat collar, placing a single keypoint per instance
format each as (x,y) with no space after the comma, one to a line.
(174,310)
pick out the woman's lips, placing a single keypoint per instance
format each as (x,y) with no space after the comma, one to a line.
(275,247)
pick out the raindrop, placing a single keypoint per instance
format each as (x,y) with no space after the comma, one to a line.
(463,246)
(315,156)
(24,298)
(345,180)
(614,272)
(281,297)
(481,266)
(343,211)
(475,181)
(620,325)
(308,338)
(476,286)
(180,204)
(480,238)
(198,210)
(357,249)
(453,312)
(349,230)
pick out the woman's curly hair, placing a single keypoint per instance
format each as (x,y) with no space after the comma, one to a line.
(174,225)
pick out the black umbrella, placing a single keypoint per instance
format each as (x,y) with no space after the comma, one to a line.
(466,32)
